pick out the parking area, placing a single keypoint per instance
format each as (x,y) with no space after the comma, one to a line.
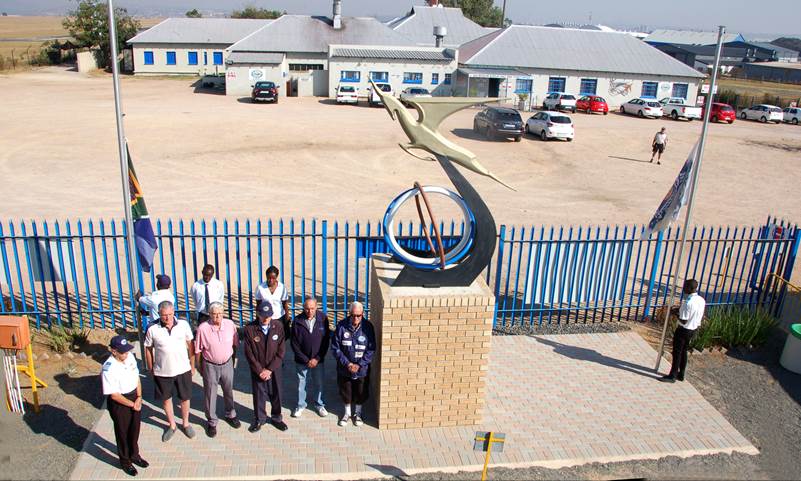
(206,155)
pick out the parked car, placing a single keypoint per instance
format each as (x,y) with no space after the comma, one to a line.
(763,113)
(372,97)
(592,103)
(792,115)
(551,125)
(499,122)
(677,108)
(410,93)
(559,101)
(721,113)
(642,108)
(264,91)
(347,94)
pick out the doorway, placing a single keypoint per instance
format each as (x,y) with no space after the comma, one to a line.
(494,88)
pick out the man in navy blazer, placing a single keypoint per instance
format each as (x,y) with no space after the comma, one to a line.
(310,338)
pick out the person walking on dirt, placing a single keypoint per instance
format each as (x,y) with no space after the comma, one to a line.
(658,145)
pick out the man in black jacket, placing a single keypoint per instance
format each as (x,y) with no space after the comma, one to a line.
(264,350)
(310,339)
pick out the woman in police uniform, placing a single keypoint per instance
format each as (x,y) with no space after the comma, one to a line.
(123,390)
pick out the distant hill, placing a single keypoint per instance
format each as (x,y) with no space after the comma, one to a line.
(788,42)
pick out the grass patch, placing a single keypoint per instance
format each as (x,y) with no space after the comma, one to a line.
(61,339)
(733,326)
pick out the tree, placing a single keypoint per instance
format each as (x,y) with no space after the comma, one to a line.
(194,14)
(88,25)
(256,12)
(483,12)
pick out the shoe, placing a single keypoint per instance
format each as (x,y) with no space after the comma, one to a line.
(279,425)
(140,462)
(189,431)
(357,420)
(255,427)
(167,435)
(233,422)
(297,413)
(667,378)
(680,378)
(658,163)
(211,431)
(322,412)
(130,470)
(343,420)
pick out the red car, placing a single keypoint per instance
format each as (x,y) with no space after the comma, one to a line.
(592,103)
(722,113)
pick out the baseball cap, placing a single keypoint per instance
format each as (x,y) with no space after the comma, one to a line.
(265,309)
(120,344)
(163,281)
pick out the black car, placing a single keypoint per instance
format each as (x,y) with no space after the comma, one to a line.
(499,122)
(264,91)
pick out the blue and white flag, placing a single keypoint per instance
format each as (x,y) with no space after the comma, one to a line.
(675,199)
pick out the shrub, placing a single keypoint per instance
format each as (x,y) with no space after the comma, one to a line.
(733,326)
(78,337)
(58,340)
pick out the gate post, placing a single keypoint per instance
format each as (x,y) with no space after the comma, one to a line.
(654,265)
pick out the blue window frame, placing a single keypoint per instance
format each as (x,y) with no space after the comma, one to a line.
(680,90)
(523,85)
(218,58)
(205,58)
(350,76)
(191,58)
(434,78)
(148,58)
(588,86)
(379,76)
(649,90)
(447,80)
(556,84)
(170,58)
(412,77)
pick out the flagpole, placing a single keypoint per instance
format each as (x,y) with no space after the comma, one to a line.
(689,213)
(126,191)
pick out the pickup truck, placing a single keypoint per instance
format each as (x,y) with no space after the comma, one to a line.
(678,108)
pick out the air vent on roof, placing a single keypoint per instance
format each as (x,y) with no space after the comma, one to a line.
(439,33)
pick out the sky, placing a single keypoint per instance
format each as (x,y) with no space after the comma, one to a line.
(768,18)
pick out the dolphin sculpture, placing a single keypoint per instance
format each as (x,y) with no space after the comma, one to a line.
(423,133)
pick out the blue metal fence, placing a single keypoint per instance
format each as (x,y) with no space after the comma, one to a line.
(78,276)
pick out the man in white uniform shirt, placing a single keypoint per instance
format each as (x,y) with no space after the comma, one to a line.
(150,303)
(690,315)
(205,291)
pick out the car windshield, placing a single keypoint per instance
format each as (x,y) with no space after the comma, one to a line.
(264,85)
(726,108)
(599,99)
(385,87)
(418,91)
(653,104)
(508,116)
(775,109)
(568,97)
(560,119)
(347,89)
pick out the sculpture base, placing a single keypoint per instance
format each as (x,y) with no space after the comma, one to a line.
(433,350)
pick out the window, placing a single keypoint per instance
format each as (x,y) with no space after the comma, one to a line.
(447,80)
(556,84)
(680,90)
(434,78)
(170,58)
(148,58)
(350,76)
(523,86)
(218,58)
(379,76)
(412,77)
(588,86)
(205,58)
(649,90)
(191,58)
(304,67)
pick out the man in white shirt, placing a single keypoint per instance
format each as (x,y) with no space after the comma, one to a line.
(150,303)
(205,291)
(658,145)
(170,358)
(690,315)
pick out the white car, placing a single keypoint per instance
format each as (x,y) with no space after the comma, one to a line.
(677,108)
(411,93)
(792,115)
(372,96)
(551,125)
(763,113)
(642,108)
(559,101)
(347,94)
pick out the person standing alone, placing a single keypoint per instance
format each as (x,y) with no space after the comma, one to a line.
(658,145)
(690,314)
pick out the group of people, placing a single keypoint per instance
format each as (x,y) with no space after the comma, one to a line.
(173,352)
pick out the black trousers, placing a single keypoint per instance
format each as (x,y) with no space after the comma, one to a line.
(681,344)
(264,391)
(353,391)
(126,428)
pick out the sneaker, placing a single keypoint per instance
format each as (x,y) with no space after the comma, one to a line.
(130,470)
(140,462)
(343,420)
(167,434)
(298,412)
(189,431)
(357,419)
(322,412)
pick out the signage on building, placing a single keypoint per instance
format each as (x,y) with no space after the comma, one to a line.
(705,89)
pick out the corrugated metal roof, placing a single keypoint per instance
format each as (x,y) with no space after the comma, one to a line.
(302,33)
(687,37)
(523,46)
(264,58)
(419,25)
(200,30)
(393,54)
(780,51)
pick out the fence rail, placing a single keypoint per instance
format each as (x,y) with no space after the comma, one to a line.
(75,273)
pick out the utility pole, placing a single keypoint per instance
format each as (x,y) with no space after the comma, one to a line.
(503,15)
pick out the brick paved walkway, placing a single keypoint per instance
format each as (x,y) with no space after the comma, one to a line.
(561,400)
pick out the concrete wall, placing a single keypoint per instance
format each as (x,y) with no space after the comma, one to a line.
(396,69)
(181,66)
(86,60)
(240,78)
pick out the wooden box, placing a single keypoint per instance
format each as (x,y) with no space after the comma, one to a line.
(14,332)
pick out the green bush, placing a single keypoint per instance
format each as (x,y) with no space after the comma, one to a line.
(59,340)
(78,337)
(733,326)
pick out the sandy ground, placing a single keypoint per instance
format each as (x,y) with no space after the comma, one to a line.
(204,155)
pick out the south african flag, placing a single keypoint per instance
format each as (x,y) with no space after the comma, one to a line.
(144,238)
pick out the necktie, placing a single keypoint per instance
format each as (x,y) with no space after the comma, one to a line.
(206,306)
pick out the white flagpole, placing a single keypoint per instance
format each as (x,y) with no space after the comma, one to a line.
(689,213)
(126,191)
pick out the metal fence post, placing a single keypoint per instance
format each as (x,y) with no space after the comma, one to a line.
(654,266)
(324,247)
(501,239)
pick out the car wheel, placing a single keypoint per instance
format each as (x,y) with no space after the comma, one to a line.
(763,119)
(543,136)
(743,116)
(794,121)
(574,110)
(622,110)
(518,138)
(731,121)
(640,114)
(528,131)
(487,134)
(606,112)
(570,139)
(475,127)
(674,115)
(715,118)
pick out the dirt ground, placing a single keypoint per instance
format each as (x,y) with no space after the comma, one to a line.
(203,155)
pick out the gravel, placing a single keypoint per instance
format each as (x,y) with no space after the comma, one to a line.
(572,328)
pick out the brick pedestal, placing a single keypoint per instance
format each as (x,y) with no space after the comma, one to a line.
(433,350)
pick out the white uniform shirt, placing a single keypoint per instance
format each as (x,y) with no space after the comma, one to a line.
(692,311)
(120,377)
(276,299)
(151,302)
(198,291)
(660,138)
(170,354)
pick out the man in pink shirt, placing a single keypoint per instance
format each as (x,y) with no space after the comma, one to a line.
(215,352)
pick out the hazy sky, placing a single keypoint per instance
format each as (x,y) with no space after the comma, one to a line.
(747,16)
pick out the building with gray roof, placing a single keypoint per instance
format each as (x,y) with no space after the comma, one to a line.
(419,23)
(690,37)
